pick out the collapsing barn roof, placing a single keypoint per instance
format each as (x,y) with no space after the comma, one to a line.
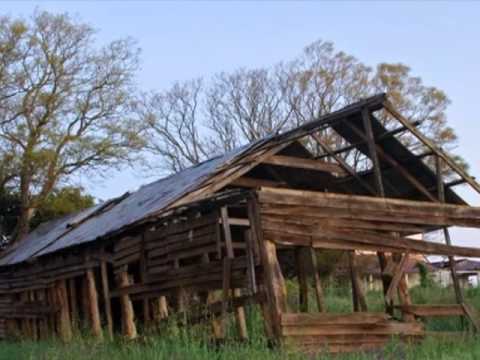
(203,180)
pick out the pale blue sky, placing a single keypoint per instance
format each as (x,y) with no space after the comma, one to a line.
(440,41)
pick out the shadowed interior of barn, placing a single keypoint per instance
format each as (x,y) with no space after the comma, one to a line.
(210,240)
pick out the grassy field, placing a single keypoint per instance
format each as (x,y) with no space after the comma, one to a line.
(178,343)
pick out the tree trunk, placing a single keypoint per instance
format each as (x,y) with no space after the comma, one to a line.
(23,224)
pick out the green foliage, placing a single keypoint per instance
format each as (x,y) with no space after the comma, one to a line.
(61,202)
(65,106)
(425,277)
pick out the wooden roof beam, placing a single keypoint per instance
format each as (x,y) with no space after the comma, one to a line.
(376,149)
(405,122)
(303,163)
(385,135)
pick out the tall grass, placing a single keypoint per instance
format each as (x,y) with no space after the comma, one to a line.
(193,343)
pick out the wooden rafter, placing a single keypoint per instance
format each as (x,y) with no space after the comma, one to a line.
(303,163)
(405,122)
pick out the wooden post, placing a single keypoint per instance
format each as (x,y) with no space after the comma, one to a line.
(85,304)
(359,302)
(403,293)
(93,304)
(43,331)
(162,307)
(273,277)
(63,317)
(25,322)
(301,263)
(367,125)
(252,280)
(240,318)
(226,286)
(317,282)
(128,316)
(217,324)
(106,298)
(33,321)
(441,197)
(52,319)
(180,298)
(72,289)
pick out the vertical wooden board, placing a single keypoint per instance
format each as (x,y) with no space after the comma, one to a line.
(319,295)
(72,292)
(63,317)
(106,298)
(240,318)
(301,264)
(94,311)
(128,316)
(273,281)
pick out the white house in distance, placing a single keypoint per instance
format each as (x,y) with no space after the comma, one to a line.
(468,272)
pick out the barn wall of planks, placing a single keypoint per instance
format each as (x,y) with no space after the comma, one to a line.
(238,230)
(206,265)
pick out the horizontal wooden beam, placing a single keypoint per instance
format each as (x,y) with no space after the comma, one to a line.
(306,319)
(303,163)
(250,182)
(433,310)
(369,208)
(324,237)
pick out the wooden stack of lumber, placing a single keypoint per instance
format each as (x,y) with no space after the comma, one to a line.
(345,332)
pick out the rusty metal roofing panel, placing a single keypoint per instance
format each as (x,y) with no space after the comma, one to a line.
(92,223)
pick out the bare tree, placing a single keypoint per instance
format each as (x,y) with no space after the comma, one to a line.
(248,103)
(64,104)
(173,117)
(240,107)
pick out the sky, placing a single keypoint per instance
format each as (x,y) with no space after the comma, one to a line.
(184,40)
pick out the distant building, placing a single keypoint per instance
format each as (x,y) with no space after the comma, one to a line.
(468,272)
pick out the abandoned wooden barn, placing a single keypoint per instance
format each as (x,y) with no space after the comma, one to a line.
(210,240)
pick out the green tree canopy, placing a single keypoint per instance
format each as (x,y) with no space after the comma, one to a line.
(65,106)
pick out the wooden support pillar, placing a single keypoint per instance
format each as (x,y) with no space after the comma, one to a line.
(128,316)
(85,304)
(441,197)
(52,318)
(217,323)
(63,316)
(240,318)
(72,290)
(402,287)
(317,282)
(43,330)
(226,286)
(250,248)
(94,312)
(359,302)
(380,190)
(180,299)
(106,298)
(162,307)
(302,255)
(274,282)
(227,266)
(25,322)
(33,321)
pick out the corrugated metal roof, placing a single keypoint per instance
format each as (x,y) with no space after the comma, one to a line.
(149,199)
